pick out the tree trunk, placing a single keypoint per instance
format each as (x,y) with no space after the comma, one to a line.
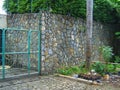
(89,27)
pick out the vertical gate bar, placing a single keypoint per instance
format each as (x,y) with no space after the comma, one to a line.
(3,53)
(39,42)
(29,33)
(39,53)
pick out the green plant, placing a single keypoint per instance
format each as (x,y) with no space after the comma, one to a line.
(104,11)
(118,66)
(65,71)
(118,35)
(110,68)
(99,67)
(69,70)
(75,69)
(83,69)
(103,68)
(117,59)
(106,53)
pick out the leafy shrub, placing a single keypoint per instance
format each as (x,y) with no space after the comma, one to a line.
(65,71)
(103,10)
(118,66)
(110,68)
(118,35)
(117,59)
(106,52)
(99,67)
(103,68)
(75,69)
(83,69)
(69,70)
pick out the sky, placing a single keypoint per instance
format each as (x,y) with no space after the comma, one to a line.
(1,9)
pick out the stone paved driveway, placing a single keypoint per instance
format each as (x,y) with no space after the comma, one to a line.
(49,83)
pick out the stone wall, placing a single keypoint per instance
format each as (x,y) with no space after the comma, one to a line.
(63,38)
(17,40)
(3,21)
(23,21)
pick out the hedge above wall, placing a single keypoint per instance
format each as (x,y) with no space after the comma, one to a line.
(104,10)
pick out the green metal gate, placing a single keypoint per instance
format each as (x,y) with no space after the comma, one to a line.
(19,52)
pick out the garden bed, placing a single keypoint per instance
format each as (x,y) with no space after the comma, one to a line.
(98,74)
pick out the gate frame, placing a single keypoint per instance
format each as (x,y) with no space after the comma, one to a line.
(29,31)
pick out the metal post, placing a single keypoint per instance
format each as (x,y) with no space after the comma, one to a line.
(39,53)
(39,43)
(29,33)
(3,53)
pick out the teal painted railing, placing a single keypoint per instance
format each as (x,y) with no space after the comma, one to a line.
(28,52)
(3,53)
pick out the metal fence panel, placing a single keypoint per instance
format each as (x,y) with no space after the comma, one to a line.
(19,52)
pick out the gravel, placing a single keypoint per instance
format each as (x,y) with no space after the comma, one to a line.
(51,83)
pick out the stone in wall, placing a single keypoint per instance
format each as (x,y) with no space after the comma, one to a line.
(23,21)
(3,21)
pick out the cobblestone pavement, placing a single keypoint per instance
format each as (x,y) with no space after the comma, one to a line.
(49,83)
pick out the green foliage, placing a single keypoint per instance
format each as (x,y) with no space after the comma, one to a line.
(103,68)
(72,70)
(69,70)
(74,8)
(83,69)
(65,71)
(118,66)
(115,4)
(99,67)
(75,69)
(117,59)
(104,11)
(118,35)
(106,52)
(110,68)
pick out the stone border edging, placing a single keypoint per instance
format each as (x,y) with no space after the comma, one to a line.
(80,79)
